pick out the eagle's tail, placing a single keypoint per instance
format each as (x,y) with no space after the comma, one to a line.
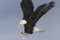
(38,29)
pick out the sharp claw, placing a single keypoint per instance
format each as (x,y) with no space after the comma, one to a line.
(24,34)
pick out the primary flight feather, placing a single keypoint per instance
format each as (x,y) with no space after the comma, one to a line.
(31,17)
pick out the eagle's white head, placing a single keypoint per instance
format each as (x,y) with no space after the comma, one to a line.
(21,23)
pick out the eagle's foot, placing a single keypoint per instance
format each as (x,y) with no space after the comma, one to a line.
(24,33)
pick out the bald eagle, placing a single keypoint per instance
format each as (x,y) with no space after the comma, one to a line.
(30,17)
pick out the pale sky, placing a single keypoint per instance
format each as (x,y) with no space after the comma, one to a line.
(11,14)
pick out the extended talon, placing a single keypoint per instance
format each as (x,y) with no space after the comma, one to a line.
(24,33)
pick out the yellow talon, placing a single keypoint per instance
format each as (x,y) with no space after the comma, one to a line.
(24,33)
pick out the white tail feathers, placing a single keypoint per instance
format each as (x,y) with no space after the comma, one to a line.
(38,30)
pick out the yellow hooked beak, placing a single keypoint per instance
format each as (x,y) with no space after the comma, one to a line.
(19,25)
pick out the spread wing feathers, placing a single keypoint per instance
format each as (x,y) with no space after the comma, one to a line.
(27,7)
(41,10)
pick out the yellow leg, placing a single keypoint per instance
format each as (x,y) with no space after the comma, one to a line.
(24,33)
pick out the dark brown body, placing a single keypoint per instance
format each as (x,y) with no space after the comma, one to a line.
(32,16)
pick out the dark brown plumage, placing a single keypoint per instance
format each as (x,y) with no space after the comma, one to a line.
(32,16)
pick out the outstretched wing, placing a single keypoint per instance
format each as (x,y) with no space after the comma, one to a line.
(27,8)
(41,10)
